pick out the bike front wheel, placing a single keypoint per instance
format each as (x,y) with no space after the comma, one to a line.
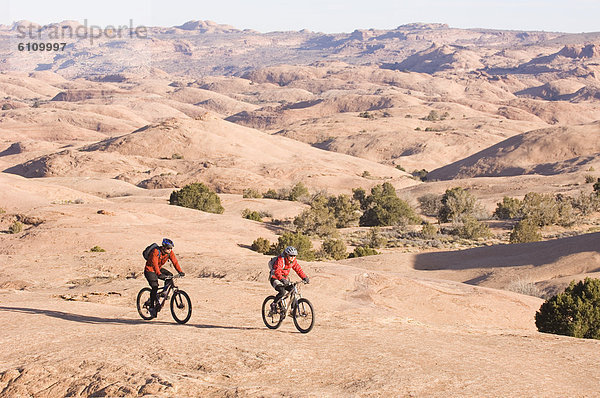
(181,306)
(143,303)
(304,316)
(272,319)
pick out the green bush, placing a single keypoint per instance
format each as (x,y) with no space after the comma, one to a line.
(366,115)
(176,156)
(97,249)
(510,208)
(362,251)
(456,203)
(429,231)
(2,211)
(251,193)
(16,227)
(251,215)
(525,231)
(432,116)
(374,238)
(589,178)
(300,241)
(261,245)
(299,192)
(271,194)
(384,207)
(197,196)
(587,203)
(597,186)
(335,248)
(319,219)
(575,312)
(471,228)
(346,210)
(420,174)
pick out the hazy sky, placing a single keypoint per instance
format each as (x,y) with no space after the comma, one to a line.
(317,15)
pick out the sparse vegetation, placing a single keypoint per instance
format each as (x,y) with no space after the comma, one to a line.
(589,179)
(456,203)
(176,156)
(523,286)
(575,312)
(432,116)
(429,231)
(400,168)
(299,192)
(251,215)
(420,174)
(15,228)
(430,204)
(363,251)
(510,208)
(261,245)
(383,207)
(97,249)
(366,115)
(251,193)
(197,196)
(299,241)
(375,239)
(525,231)
(334,248)
(471,228)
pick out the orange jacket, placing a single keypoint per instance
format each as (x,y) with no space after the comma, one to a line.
(157,259)
(282,267)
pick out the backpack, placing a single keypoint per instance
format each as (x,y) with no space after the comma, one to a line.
(272,262)
(147,251)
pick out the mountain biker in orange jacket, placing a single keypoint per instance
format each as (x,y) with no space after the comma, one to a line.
(154,271)
(281,269)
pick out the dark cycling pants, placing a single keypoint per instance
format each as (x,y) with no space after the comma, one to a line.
(152,279)
(280,287)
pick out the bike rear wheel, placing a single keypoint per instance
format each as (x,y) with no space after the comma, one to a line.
(181,306)
(143,303)
(304,316)
(271,319)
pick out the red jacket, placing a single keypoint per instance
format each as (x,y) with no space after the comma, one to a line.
(157,259)
(281,268)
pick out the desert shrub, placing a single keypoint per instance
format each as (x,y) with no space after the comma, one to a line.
(176,156)
(547,209)
(525,231)
(261,245)
(374,238)
(400,168)
(384,207)
(251,193)
(346,210)
(251,215)
(360,195)
(319,219)
(97,249)
(299,192)
(432,116)
(16,227)
(420,174)
(575,312)
(2,211)
(522,286)
(589,179)
(271,194)
(430,204)
(471,228)
(509,208)
(597,186)
(334,248)
(362,251)
(366,115)
(366,174)
(197,196)
(429,231)
(587,203)
(456,203)
(300,241)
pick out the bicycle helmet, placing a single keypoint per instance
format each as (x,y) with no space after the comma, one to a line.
(168,243)
(290,251)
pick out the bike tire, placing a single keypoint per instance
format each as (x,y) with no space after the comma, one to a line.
(142,303)
(271,320)
(304,316)
(181,307)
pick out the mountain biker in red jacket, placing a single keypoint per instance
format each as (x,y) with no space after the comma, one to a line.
(281,269)
(154,271)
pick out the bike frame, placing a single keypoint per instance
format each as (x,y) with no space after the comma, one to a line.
(294,295)
(164,292)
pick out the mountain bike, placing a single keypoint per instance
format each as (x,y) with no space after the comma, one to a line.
(181,305)
(292,303)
